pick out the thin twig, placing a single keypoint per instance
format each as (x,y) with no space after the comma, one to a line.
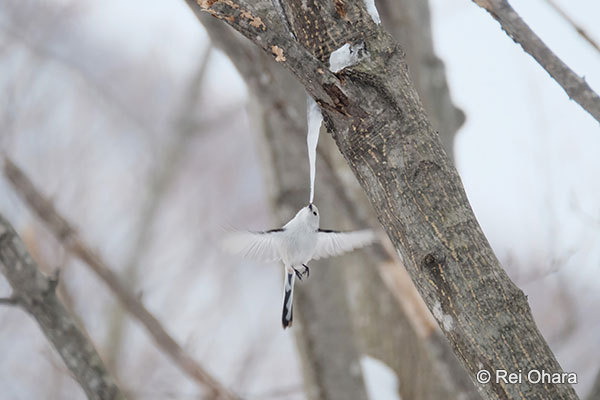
(11,301)
(73,243)
(575,86)
(36,294)
(578,28)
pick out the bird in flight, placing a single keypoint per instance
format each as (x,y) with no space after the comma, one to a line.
(295,244)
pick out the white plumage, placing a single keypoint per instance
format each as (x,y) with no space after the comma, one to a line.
(331,243)
(295,244)
(261,246)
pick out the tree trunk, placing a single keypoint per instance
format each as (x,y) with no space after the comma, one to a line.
(380,127)
(279,112)
(409,22)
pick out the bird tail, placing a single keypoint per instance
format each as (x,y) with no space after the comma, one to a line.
(288,299)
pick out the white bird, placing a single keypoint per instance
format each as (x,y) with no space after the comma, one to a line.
(295,244)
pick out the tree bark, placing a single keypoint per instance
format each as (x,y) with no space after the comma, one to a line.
(35,293)
(409,22)
(381,128)
(278,110)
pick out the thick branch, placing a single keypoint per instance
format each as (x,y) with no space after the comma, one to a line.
(35,292)
(409,22)
(260,24)
(70,239)
(279,107)
(575,86)
(380,127)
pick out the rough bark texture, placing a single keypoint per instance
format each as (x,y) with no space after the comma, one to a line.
(409,22)
(35,293)
(380,126)
(383,329)
(69,238)
(575,86)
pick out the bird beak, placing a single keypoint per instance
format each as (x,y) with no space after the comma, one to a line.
(310,206)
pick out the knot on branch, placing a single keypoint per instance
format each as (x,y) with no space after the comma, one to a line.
(432,260)
(433,264)
(339,99)
(421,170)
(53,281)
(517,301)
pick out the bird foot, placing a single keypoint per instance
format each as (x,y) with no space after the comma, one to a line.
(298,274)
(306,270)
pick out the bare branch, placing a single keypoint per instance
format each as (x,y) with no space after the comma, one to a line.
(72,242)
(578,28)
(10,301)
(35,293)
(575,86)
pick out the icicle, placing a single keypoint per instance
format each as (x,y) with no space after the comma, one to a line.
(314,118)
(373,11)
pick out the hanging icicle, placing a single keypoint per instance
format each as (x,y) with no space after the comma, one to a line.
(314,118)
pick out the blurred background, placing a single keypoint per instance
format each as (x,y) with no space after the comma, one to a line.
(137,128)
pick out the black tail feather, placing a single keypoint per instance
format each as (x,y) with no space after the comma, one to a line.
(287,315)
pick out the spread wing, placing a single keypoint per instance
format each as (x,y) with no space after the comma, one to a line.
(262,246)
(332,243)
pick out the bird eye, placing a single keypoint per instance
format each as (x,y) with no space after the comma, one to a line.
(314,213)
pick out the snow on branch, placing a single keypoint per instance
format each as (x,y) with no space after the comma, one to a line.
(372,10)
(346,56)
